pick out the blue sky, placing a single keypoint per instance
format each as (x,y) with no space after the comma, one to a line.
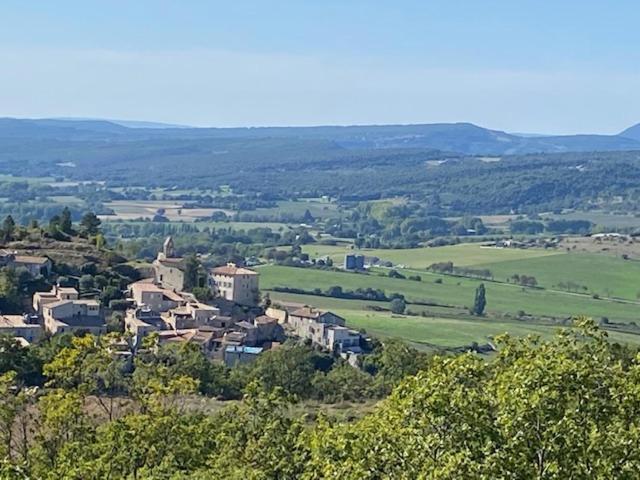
(531,66)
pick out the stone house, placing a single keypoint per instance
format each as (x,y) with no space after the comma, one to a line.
(40,299)
(191,315)
(69,316)
(324,329)
(204,338)
(35,265)
(20,326)
(147,294)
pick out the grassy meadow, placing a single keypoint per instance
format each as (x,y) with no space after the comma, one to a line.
(317,207)
(449,324)
(462,255)
(456,292)
(434,330)
(602,274)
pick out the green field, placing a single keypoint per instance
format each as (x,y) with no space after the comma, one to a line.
(33,180)
(444,332)
(447,332)
(430,331)
(602,274)
(463,255)
(317,207)
(602,219)
(458,292)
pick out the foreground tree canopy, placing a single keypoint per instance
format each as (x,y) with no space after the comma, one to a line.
(562,408)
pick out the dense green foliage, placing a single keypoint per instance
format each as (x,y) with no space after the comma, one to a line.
(565,408)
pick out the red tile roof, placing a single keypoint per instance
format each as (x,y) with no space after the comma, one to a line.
(231,269)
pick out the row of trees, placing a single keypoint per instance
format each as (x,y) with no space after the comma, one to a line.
(532,227)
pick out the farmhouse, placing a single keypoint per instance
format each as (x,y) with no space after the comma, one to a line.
(353,262)
(236,284)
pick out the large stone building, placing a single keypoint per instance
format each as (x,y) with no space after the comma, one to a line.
(169,269)
(236,284)
(164,311)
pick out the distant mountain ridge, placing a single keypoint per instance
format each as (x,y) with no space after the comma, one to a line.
(632,132)
(463,138)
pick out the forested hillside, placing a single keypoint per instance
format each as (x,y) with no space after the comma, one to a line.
(303,167)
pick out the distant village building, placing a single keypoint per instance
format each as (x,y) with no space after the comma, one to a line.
(142,321)
(176,317)
(269,329)
(21,327)
(169,269)
(35,265)
(280,314)
(236,284)
(610,236)
(353,262)
(63,311)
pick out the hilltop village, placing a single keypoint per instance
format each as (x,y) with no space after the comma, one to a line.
(232,326)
